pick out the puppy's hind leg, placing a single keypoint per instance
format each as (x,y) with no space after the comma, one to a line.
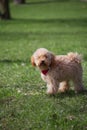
(78,85)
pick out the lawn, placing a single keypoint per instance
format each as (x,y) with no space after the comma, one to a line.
(61,27)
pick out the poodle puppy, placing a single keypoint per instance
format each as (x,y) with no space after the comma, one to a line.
(57,71)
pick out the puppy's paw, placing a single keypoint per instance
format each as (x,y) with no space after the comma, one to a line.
(62,90)
(52,91)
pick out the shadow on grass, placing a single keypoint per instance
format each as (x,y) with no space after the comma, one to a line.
(70,93)
(45,2)
(69,21)
(38,33)
(8,61)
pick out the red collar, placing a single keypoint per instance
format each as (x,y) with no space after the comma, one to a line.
(45,71)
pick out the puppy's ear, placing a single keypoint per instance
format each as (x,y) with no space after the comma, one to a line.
(33,61)
(52,59)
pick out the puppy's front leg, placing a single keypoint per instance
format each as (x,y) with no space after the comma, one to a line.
(63,86)
(52,85)
(52,88)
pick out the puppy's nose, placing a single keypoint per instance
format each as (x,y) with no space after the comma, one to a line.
(42,62)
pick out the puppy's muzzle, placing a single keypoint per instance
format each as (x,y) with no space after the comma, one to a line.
(42,63)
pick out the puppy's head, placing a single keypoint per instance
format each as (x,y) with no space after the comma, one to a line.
(42,59)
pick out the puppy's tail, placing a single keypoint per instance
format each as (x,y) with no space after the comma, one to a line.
(75,57)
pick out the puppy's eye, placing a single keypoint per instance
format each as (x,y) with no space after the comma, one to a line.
(45,56)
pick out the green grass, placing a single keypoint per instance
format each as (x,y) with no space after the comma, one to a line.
(60,26)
